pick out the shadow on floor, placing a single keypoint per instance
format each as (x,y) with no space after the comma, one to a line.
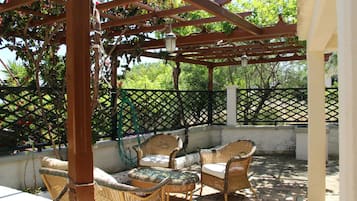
(275,178)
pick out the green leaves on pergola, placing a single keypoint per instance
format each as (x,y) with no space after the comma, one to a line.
(136,20)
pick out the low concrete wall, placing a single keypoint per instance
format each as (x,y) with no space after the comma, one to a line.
(268,139)
(21,171)
(332,142)
(280,139)
(18,171)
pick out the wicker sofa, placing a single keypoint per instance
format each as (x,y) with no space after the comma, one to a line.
(55,176)
(226,168)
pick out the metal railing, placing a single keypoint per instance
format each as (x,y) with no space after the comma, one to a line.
(130,111)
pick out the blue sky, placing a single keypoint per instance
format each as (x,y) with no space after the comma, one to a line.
(6,55)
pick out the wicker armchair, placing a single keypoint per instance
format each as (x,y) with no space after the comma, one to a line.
(226,168)
(158,151)
(56,181)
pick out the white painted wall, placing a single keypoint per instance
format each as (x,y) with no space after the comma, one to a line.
(268,139)
(15,170)
(21,171)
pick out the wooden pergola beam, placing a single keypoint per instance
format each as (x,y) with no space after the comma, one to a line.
(13,4)
(176,59)
(199,49)
(100,7)
(209,38)
(219,11)
(148,8)
(262,60)
(138,18)
(30,12)
(114,3)
(162,13)
(175,25)
(239,52)
(237,55)
(49,20)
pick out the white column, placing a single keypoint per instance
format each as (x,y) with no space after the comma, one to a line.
(347,81)
(231,105)
(316,127)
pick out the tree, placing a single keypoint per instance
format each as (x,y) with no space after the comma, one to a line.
(149,76)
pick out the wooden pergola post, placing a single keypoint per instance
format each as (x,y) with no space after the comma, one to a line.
(114,66)
(210,78)
(80,155)
(176,75)
(210,94)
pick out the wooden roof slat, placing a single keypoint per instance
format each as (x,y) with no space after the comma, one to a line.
(101,7)
(177,59)
(217,48)
(109,16)
(217,10)
(263,60)
(49,20)
(13,4)
(239,54)
(114,3)
(208,38)
(31,12)
(175,25)
(242,48)
(148,8)
(163,13)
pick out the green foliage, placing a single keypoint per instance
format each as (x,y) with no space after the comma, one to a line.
(285,74)
(149,76)
(194,77)
(17,75)
(265,12)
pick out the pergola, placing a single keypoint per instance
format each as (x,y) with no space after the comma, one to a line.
(207,48)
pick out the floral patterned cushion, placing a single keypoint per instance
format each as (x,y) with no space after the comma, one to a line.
(157,174)
(155,161)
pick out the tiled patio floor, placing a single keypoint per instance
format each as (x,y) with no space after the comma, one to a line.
(275,178)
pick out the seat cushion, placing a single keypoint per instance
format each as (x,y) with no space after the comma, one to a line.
(63,165)
(215,169)
(102,175)
(54,163)
(155,161)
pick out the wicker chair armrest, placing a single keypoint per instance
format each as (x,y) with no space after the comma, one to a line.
(173,156)
(252,151)
(174,152)
(54,172)
(237,161)
(138,150)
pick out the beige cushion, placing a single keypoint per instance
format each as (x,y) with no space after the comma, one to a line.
(219,169)
(155,161)
(215,169)
(54,163)
(102,175)
(63,165)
